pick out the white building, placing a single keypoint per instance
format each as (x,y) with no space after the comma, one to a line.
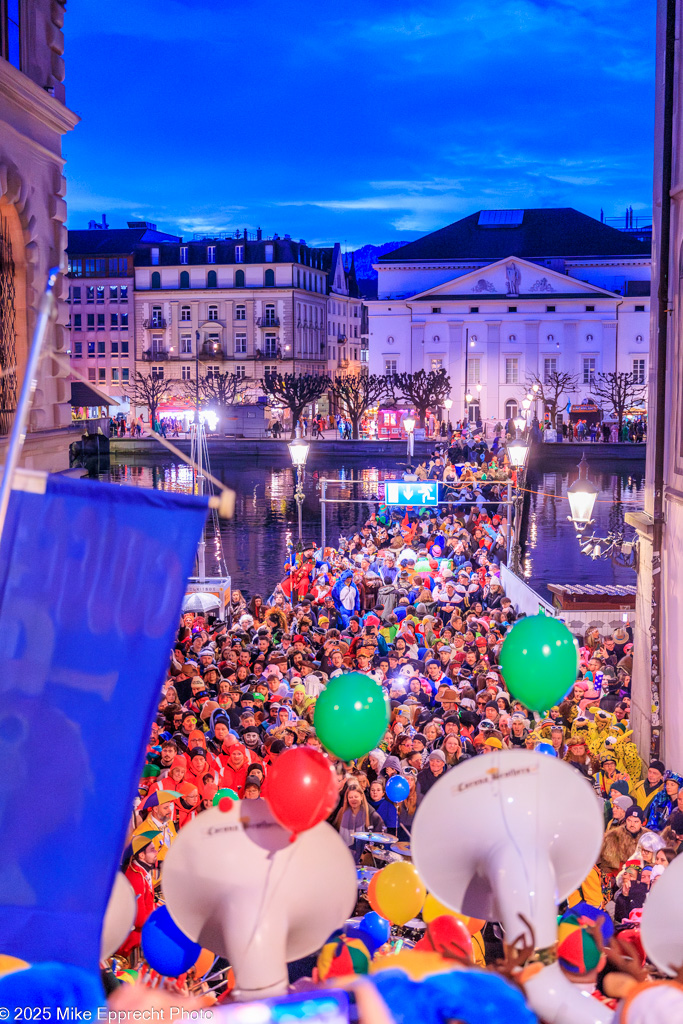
(503,294)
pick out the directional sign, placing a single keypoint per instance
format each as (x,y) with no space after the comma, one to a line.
(419,492)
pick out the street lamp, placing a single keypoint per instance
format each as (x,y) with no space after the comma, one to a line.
(582,494)
(468,397)
(409,427)
(448,405)
(298,450)
(519,422)
(517,452)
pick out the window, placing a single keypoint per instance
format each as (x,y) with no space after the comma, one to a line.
(89,293)
(240,344)
(437,364)
(512,337)
(551,337)
(511,409)
(240,371)
(639,338)
(186,373)
(474,371)
(114,321)
(474,309)
(102,375)
(158,372)
(91,374)
(638,371)
(512,371)
(124,293)
(269,253)
(113,267)
(115,375)
(125,375)
(512,309)
(212,371)
(588,369)
(76,294)
(269,318)
(100,293)
(156,280)
(157,319)
(590,309)
(550,309)
(76,267)
(154,256)
(185,313)
(549,367)
(89,268)
(213,313)
(124,348)
(183,254)
(77,321)
(114,348)
(269,371)
(269,279)
(639,309)
(10,41)
(240,312)
(91,350)
(436,309)
(390,367)
(239,254)
(123,266)
(239,279)
(78,350)
(91,321)
(186,344)
(113,293)
(211,254)
(101,348)
(211,279)
(184,279)
(124,321)
(589,337)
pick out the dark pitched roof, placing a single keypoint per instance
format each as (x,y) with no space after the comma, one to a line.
(543,233)
(113,241)
(285,250)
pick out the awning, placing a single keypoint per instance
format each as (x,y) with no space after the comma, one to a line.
(87,394)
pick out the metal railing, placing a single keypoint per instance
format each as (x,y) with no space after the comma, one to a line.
(155,323)
(267,321)
(151,355)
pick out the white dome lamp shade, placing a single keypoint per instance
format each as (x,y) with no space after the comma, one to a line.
(661,926)
(582,494)
(234,883)
(527,829)
(119,916)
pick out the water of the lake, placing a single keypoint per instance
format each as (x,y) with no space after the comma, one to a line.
(255,540)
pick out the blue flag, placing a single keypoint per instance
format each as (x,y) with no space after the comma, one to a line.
(92,578)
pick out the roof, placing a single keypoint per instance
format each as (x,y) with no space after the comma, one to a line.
(543,233)
(592,590)
(87,394)
(112,241)
(285,250)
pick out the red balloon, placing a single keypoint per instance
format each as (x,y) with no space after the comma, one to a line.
(301,788)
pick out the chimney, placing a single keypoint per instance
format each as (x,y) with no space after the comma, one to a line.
(259,234)
(104,221)
(245,234)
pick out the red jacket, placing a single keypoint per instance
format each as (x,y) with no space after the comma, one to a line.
(141,881)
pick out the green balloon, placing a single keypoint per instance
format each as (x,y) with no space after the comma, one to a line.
(222,794)
(539,660)
(351,715)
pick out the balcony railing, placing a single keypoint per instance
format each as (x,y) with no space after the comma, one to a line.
(267,321)
(211,353)
(269,353)
(152,355)
(155,323)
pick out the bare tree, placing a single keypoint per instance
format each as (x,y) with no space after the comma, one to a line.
(295,390)
(423,389)
(150,390)
(619,391)
(552,387)
(355,394)
(218,390)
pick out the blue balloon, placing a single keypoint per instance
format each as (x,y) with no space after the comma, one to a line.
(397,789)
(546,748)
(166,949)
(378,928)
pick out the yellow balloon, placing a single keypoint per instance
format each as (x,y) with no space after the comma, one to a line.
(8,964)
(399,892)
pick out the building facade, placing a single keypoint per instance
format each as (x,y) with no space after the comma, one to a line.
(504,295)
(33,119)
(344,316)
(247,304)
(101,318)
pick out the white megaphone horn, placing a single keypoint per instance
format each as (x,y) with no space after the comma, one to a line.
(661,924)
(235,883)
(507,836)
(119,916)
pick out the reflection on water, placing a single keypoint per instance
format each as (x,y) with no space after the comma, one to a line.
(255,541)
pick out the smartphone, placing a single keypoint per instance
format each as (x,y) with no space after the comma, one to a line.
(318,1006)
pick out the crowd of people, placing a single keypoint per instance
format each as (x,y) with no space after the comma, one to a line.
(413,599)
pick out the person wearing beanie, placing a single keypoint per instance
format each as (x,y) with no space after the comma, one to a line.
(645,791)
(436,766)
(665,802)
(619,806)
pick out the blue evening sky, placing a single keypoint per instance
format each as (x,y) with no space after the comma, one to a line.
(357,121)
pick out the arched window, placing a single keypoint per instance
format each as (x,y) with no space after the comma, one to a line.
(239,279)
(213,313)
(435,338)
(184,279)
(156,280)
(589,337)
(269,279)
(390,340)
(639,337)
(211,279)
(551,337)
(511,409)
(512,337)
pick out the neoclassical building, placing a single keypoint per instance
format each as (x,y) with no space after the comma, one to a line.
(503,294)
(33,119)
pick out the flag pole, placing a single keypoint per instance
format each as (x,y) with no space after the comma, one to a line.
(28,387)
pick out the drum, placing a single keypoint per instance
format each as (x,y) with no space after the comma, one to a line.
(402,849)
(379,838)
